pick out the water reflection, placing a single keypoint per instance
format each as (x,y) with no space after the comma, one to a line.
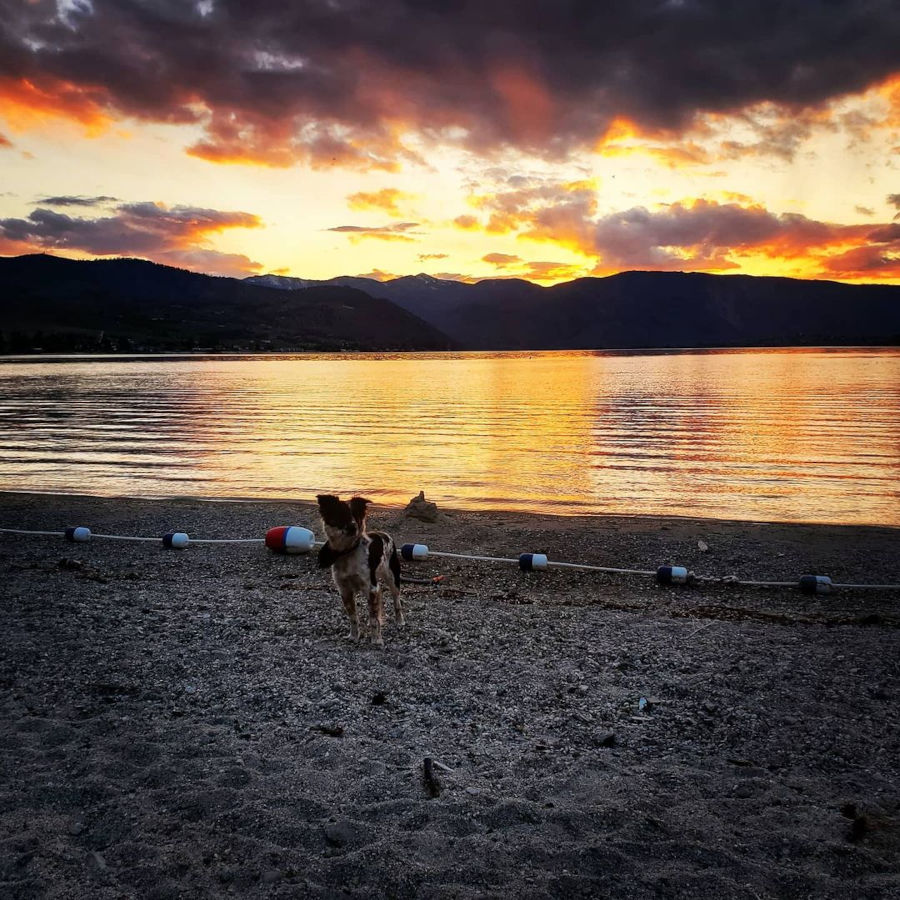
(768,435)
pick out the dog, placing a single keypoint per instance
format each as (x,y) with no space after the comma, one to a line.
(359,561)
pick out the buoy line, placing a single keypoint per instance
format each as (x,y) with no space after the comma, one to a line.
(292,539)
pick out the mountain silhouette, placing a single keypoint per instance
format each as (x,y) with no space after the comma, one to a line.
(62,305)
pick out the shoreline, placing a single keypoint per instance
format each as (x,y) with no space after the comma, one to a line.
(195,723)
(394,513)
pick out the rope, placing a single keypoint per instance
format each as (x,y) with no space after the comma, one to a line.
(709,579)
(598,568)
(482,558)
(22,531)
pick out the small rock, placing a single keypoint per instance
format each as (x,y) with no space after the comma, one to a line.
(339,834)
(379,698)
(270,876)
(606,739)
(330,730)
(420,508)
(76,828)
(702,546)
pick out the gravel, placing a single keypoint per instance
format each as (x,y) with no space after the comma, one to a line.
(195,723)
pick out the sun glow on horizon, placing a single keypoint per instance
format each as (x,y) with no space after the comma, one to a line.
(299,168)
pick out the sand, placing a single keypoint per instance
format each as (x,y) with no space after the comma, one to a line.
(196,723)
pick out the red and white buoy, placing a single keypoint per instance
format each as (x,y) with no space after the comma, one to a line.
(290,539)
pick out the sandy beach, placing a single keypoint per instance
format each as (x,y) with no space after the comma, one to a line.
(196,723)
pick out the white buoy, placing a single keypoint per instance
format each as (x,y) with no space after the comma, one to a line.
(78,535)
(672,575)
(414,551)
(290,539)
(529,562)
(177,540)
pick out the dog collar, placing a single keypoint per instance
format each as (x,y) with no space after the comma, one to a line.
(328,556)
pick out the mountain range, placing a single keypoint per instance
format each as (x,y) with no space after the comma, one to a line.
(641,309)
(62,305)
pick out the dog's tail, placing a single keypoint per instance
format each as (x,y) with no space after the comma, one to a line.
(394,564)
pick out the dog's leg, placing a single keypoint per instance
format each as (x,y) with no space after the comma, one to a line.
(376,614)
(393,582)
(399,618)
(349,597)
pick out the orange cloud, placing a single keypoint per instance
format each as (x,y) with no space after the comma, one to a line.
(551,272)
(501,260)
(378,275)
(26,104)
(700,235)
(466,223)
(387,200)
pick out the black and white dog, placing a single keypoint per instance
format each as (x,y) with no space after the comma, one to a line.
(360,561)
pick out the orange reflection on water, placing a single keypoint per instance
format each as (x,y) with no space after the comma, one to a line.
(792,435)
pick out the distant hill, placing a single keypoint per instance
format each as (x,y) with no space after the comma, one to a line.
(62,305)
(646,309)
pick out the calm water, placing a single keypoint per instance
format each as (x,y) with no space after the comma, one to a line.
(791,435)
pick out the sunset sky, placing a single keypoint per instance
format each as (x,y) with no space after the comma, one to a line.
(545,139)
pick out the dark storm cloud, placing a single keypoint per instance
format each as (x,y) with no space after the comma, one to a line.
(335,82)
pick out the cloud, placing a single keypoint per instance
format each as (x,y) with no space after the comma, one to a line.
(400,231)
(389,200)
(455,276)
(76,201)
(699,234)
(551,271)
(466,222)
(5,141)
(364,85)
(378,275)
(175,235)
(894,200)
(710,236)
(425,257)
(501,260)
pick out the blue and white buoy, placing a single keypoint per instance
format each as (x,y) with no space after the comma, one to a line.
(815,584)
(529,562)
(176,540)
(78,535)
(672,575)
(414,551)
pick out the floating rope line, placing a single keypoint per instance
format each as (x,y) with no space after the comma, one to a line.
(293,539)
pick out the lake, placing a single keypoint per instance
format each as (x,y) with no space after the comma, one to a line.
(765,435)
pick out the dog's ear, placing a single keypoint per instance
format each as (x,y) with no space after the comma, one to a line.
(327,501)
(358,509)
